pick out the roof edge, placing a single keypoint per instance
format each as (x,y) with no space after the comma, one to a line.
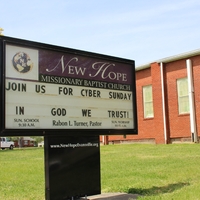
(170,59)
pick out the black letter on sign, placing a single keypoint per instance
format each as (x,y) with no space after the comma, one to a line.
(19,110)
(86,113)
(40,88)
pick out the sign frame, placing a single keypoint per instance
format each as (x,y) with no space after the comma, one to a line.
(48,131)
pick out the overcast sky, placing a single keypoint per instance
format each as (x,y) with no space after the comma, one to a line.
(140,30)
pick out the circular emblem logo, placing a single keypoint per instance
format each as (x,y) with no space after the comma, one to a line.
(22,62)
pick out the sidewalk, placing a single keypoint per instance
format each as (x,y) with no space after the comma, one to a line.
(112,196)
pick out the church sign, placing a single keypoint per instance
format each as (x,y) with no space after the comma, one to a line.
(46,88)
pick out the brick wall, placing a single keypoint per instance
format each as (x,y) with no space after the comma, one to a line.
(178,125)
(196,74)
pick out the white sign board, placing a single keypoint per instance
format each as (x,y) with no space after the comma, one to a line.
(55,89)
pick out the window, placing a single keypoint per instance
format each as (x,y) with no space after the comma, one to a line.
(148,101)
(183,96)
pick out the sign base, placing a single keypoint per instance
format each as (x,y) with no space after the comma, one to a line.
(72,167)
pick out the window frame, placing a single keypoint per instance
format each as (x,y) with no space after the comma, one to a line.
(182,96)
(148,110)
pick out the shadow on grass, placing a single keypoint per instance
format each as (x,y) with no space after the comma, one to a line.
(157,190)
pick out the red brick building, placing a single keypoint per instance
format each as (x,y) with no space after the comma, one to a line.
(168,101)
(25,142)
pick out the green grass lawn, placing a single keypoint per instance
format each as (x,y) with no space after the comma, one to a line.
(153,171)
(22,174)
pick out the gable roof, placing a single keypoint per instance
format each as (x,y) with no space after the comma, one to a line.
(28,138)
(170,59)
